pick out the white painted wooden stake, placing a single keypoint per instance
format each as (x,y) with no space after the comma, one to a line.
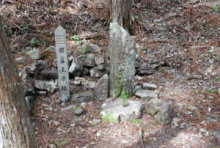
(62,64)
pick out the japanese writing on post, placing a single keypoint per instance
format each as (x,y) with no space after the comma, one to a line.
(62,64)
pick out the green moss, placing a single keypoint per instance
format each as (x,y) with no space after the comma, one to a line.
(76,108)
(217,79)
(85,50)
(25,27)
(162,70)
(62,142)
(7,29)
(124,95)
(216,8)
(76,38)
(109,118)
(35,42)
(217,58)
(136,121)
(212,91)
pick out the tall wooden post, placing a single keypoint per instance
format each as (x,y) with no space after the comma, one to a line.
(15,127)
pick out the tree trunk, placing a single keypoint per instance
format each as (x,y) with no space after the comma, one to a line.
(15,126)
(121,13)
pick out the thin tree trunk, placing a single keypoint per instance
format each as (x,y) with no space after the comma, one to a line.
(15,126)
(121,13)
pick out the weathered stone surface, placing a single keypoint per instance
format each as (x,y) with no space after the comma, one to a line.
(102,88)
(67,108)
(87,83)
(78,111)
(146,94)
(75,65)
(30,101)
(125,135)
(50,86)
(149,86)
(175,122)
(89,47)
(190,139)
(101,67)
(95,72)
(137,87)
(99,59)
(122,61)
(145,69)
(95,121)
(84,96)
(47,74)
(21,60)
(115,110)
(160,110)
(78,81)
(217,136)
(34,53)
(88,60)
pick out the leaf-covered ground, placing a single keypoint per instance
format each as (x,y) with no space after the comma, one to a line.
(181,37)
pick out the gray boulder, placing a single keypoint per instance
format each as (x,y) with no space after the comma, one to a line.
(146,94)
(84,96)
(99,59)
(87,60)
(149,86)
(34,53)
(89,47)
(102,87)
(78,111)
(95,72)
(114,111)
(75,65)
(101,67)
(85,82)
(50,86)
(145,69)
(160,110)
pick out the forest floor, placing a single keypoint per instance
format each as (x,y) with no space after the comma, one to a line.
(182,37)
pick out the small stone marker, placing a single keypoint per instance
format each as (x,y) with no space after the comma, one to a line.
(62,63)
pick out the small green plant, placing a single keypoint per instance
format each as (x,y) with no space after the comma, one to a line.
(25,27)
(109,118)
(216,8)
(76,38)
(34,42)
(7,29)
(212,91)
(45,43)
(124,96)
(217,58)
(85,50)
(217,79)
(62,142)
(76,108)
(162,70)
(136,121)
